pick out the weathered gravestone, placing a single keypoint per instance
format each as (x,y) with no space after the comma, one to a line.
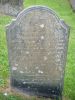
(37,43)
(11,7)
(72,4)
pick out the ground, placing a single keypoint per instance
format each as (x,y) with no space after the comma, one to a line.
(64,11)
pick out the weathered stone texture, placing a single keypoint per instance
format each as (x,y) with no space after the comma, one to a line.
(11,7)
(37,43)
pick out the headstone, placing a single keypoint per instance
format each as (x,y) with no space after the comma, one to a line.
(11,7)
(37,44)
(72,4)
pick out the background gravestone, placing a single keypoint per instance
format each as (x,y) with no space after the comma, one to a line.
(72,4)
(11,7)
(37,44)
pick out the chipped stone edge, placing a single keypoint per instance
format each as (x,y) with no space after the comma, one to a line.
(67,31)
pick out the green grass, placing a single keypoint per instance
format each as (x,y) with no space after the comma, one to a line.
(63,10)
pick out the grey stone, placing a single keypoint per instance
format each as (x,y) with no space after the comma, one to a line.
(11,7)
(72,4)
(37,43)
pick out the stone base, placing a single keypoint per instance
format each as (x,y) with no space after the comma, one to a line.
(40,90)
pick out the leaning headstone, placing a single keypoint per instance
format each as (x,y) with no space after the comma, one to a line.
(37,44)
(11,7)
(72,4)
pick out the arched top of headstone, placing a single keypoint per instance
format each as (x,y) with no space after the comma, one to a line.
(40,9)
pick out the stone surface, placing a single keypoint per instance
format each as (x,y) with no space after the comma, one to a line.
(11,7)
(73,4)
(37,44)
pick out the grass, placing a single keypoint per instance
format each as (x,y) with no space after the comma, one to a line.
(63,10)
